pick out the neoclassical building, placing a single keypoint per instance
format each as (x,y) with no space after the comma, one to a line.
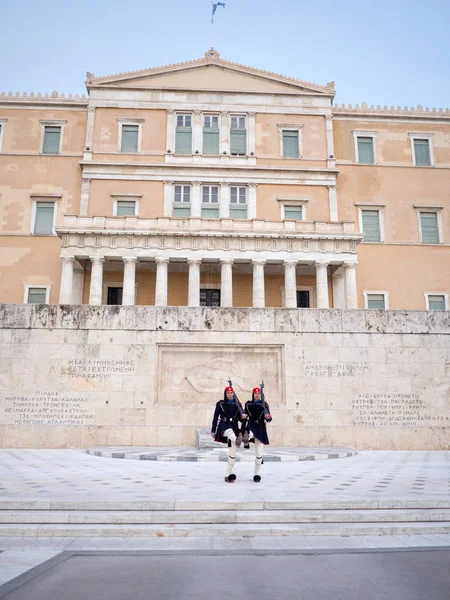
(215,184)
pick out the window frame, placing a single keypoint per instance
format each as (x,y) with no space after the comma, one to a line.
(368,293)
(211,116)
(2,131)
(116,206)
(181,203)
(246,121)
(422,136)
(430,209)
(370,134)
(286,201)
(47,200)
(380,209)
(299,130)
(51,123)
(27,288)
(124,121)
(427,299)
(192,125)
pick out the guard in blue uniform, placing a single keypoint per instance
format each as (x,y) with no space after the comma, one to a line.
(225,427)
(258,415)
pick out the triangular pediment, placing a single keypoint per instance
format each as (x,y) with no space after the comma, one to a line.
(210,73)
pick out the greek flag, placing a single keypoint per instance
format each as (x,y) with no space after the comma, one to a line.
(214,8)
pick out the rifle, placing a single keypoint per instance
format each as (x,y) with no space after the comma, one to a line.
(235,398)
(263,399)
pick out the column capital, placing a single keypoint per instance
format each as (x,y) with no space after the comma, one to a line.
(197,113)
(67,258)
(292,263)
(129,259)
(226,261)
(224,184)
(194,261)
(321,263)
(225,113)
(258,261)
(251,115)
(348,265)
(196,182)
(252,185)
(161,259)
(168,182)
(171,111)
(97,259)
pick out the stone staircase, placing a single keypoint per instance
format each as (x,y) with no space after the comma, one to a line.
(224,519)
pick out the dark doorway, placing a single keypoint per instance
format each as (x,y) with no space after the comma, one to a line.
(302,299)
(114,295)
(210,298)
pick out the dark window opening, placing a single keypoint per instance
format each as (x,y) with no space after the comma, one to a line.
(114,295)
(302,299)
(210,298)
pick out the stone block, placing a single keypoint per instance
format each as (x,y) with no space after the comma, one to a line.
(57,437)
(330,320)
(190,318)
(90,317)
(169,436)
(167,319)
(286,319)
(396,321)
(16,316)
(18,436)
(93,435)
(354,321)
(262,319)
(309,320)
(119,435)
(132,416)
(44,316)
(376,321)
(417,321)
(439,321)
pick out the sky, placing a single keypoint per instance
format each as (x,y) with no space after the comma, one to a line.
(390,52)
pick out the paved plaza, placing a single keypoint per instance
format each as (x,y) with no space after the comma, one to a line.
(58,483)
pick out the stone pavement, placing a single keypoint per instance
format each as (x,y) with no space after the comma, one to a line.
(47,497)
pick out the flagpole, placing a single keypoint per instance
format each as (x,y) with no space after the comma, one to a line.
(212,22)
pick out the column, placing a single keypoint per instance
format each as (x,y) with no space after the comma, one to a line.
(171,131)
(224,140)
(224,201)
(338,290)
(226,285)
(251,201)
(129,280)
(251,145)
(168,198)
(95,292)
(351,298)
(194,282)
(332,202)
(65,294)
(196,200)
(259,299)
(329,128)
(290,284)
(197,137)
(162,269)
(84,197)
(90,128)
(322,284)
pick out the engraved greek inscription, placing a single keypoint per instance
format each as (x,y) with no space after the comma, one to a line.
(335,369)
(48,408)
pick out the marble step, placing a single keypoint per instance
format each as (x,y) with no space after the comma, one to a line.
(222,516)
(221,530)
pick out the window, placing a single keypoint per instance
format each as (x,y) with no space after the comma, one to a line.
(238,136)
(211,134)
(376,300)
(429,228)
(364,142)
(210,201)
(436,301)
(291,148)
(130,137)
(183,139)
(303,299)
(365,150)
(238,202)
(422,149)
(114,295)
(370,221)
(209,297)
(2,131)
(125,208)
(182,201)
(36,295)
(52,139)
(293,213)
(43,219)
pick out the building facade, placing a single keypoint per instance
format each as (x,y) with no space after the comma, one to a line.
(208,183)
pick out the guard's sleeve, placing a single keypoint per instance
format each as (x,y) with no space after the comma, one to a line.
(215,419)
(267,412)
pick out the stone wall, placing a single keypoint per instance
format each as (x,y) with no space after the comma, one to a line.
(75,376)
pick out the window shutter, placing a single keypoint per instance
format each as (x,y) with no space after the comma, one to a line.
(293,213)
(238,211)
(52,136)
(422,153)
(210,212)
(436,302)
(430,233)
(130,134)
(375,301)
(290,144)
(37,295)
(126,207)
(371,225)
(238,142)
(43,224)
(210,141)
(365,151)
(183,142)
(181,211)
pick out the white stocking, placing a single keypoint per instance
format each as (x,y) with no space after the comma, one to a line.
(229,433)
(258,455)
